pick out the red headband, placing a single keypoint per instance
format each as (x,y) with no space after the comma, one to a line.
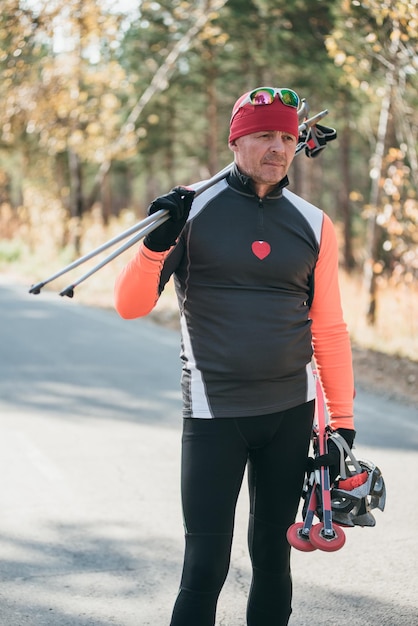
(256,118)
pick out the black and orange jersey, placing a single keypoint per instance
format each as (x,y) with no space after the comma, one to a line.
(257,287)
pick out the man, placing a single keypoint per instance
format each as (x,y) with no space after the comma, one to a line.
(256,274)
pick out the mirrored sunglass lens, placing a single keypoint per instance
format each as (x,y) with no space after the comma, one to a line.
(262,96)
(289,97)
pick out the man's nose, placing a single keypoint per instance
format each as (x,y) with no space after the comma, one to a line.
(277,144)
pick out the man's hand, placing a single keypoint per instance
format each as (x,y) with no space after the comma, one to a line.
(336,455)
(178,202)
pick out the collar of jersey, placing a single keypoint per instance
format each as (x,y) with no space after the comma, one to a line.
(243,183)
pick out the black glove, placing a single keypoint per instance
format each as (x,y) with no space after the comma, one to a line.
(317,138)
(333,458)
(178,202)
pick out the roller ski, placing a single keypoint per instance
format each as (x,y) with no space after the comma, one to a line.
(347,502)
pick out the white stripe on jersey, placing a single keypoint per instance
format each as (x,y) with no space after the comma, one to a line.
(197,393)
(310,383)
(200,202)
(311,213)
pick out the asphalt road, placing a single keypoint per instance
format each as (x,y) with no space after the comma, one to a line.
(90,521)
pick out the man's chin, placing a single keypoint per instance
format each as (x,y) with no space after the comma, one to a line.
(274,177)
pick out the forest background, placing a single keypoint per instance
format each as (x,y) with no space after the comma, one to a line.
(105,104)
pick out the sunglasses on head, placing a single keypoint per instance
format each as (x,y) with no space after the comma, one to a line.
(266,95)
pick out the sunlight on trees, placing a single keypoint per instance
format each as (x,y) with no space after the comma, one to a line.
(379,59)
(107,103)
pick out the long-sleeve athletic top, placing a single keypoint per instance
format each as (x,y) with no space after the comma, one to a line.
(257,287)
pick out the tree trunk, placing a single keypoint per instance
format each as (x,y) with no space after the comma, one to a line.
(373,230)
(344,194)
(212,136)
(76,202)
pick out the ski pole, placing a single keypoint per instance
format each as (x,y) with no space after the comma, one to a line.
(312,120)
(143,228)
(36,289)
(159,218)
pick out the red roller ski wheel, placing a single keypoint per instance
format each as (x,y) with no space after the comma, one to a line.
(297,540)
(327,544)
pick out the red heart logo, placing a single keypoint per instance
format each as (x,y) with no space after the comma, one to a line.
(261,249)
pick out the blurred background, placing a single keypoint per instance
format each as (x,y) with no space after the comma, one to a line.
(106,104)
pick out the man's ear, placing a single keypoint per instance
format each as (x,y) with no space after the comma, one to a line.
(233,145)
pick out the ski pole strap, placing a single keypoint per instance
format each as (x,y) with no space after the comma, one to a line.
(315,138)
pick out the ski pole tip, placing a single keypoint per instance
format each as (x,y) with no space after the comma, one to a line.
(68,291)
(36,289)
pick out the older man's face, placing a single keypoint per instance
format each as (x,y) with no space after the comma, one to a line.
(265,156)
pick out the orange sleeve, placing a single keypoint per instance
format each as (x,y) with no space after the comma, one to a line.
(330,338)
(136,289)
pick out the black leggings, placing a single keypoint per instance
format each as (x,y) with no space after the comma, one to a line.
(215,453)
